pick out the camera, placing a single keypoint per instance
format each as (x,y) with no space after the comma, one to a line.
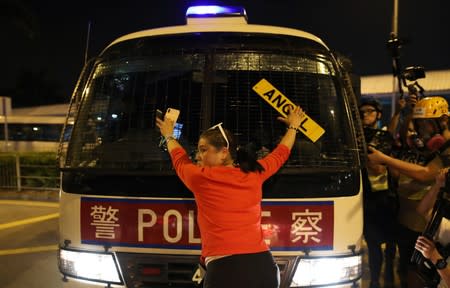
(413,73)
(425,269)
(379,139)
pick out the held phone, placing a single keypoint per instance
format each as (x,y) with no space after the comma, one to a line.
(172,114)
(159,114)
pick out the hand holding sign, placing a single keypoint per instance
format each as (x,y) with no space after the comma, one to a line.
(283,105)
(294,118)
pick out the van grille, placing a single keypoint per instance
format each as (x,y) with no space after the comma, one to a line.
(162,271)
(155,271)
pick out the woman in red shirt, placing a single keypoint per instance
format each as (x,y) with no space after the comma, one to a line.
(228,198)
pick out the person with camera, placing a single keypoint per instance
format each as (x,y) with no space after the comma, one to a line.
(426,246)
(379,199)
(227,185)
(425,150)
(408,147)
(402,120)
(430,116)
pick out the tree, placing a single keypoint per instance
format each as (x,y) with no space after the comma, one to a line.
(35,88)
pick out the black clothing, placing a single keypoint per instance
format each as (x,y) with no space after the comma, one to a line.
(444,154)
(380,210)
(406,240)
(257,270)
(379,139)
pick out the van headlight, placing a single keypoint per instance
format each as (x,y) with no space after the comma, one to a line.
(327,270)
(93,266)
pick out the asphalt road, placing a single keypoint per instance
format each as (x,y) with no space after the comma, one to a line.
(28,244)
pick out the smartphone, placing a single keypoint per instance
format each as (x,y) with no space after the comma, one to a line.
(172,114)
(159,114)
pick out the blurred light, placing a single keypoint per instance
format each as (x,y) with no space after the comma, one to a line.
(89,266)
(212,10)
(114,116)
(327,271)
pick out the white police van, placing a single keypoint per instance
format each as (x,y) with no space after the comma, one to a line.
(127,220)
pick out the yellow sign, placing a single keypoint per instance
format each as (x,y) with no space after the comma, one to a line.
(282,104)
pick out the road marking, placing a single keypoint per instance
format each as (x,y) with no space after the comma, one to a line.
(29,203)
(29,221)
(29,250)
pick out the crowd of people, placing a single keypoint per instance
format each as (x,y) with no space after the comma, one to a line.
(405,159)
(406,171)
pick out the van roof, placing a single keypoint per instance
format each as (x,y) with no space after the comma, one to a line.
(221,23)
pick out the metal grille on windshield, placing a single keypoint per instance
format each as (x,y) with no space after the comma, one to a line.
(115,126)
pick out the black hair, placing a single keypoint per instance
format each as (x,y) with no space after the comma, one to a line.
(244,156)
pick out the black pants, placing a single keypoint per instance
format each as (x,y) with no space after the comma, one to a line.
(380,213)
(257,270)
(406,241)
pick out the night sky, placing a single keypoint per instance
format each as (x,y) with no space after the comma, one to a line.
(51,41)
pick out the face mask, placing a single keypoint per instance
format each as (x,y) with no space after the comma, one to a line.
(432,140)
(435,142)
(432,144)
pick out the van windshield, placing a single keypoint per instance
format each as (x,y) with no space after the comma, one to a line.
(209,78)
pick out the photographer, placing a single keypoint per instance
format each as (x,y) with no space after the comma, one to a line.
(430,117)
(400,121)
(426,246)
(379,200)
(416,170)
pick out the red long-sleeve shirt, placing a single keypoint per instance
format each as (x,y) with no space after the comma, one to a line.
(228,202)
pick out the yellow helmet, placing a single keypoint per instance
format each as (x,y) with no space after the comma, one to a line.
(430,107)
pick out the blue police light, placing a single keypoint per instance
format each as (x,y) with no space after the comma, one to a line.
(214,11)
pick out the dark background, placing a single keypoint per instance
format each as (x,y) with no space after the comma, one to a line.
(43,43)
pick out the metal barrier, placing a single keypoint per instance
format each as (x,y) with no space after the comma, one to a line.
(8,173)
(17,174)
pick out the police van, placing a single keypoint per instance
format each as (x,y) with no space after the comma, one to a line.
(126,220)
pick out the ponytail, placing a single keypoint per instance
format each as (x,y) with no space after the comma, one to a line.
(247,159)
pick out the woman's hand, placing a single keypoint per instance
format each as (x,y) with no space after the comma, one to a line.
(165,127)
(294,117)
(375,156)
(411,99)
(441,177)
(427,248)
(401,103)
(293,121)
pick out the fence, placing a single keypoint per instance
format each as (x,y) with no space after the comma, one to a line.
(29,171)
